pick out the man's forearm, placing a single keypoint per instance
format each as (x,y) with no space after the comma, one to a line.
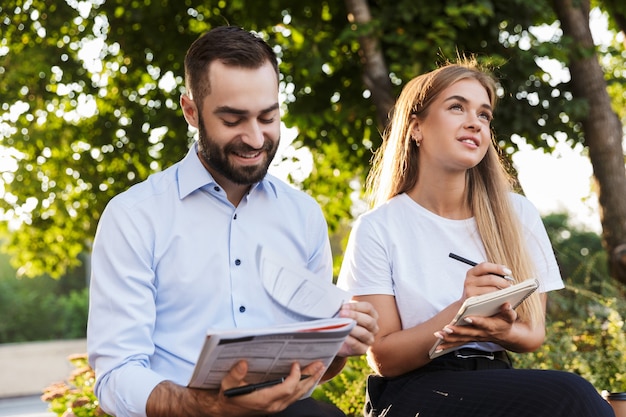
(168,399)
(334,368)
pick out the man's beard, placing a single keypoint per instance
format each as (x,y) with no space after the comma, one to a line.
(217,158)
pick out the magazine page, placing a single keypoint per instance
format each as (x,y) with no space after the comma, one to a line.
(270,352)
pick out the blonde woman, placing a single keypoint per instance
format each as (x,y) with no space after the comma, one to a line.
(438,187)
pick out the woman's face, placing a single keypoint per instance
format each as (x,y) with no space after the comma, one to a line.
(455,134)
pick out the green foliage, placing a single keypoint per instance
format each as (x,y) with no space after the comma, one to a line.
(347,390)
(41,308)
(90,95)
(83,128)
(335,184)
(74,398)
(586,332)
(593,346)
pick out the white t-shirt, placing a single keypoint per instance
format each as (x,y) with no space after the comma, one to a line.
(402,249)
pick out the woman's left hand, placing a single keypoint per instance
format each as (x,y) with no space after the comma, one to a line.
(482,329)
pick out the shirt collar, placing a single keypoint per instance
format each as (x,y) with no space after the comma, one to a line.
(192,175)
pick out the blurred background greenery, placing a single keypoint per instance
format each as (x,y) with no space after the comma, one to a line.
(41,308)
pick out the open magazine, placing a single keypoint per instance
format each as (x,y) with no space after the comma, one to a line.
(270,351)
(315,335)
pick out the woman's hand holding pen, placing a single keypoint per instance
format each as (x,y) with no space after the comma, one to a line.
(484,278)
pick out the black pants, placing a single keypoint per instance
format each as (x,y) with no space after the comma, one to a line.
(309,407)
(451,386)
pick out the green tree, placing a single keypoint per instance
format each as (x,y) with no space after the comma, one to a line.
(90,102)
(601,125)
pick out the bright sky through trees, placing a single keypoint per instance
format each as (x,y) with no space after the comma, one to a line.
(563,180)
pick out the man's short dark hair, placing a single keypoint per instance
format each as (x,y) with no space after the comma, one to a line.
(231,45)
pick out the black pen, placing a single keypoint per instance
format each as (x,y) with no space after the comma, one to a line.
(247,389)
(472,263)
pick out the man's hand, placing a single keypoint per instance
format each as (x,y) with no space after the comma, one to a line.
(362,335)
(269,400)
(171,400)
(359,339)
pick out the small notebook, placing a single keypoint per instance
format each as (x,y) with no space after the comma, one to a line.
(486,305)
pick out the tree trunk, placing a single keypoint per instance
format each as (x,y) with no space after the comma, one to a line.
(602,129)
(375,73)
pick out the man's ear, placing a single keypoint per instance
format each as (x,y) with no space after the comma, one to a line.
(190,110)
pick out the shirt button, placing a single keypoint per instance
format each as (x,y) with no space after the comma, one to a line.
(216,188)
(242,309)
(237,262)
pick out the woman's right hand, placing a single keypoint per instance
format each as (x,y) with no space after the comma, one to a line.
(484,278)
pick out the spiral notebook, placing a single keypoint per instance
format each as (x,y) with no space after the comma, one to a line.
(486,305)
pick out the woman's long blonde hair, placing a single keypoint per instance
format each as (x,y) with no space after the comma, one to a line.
(395,170)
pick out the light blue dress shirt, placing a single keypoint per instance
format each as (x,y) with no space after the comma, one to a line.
(172,258)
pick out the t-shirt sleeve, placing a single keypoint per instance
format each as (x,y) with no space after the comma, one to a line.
(540,247)
(366,268)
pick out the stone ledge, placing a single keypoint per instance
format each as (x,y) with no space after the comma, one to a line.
(27,368)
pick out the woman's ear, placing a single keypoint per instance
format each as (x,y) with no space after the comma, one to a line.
(190,110)
(415,129)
